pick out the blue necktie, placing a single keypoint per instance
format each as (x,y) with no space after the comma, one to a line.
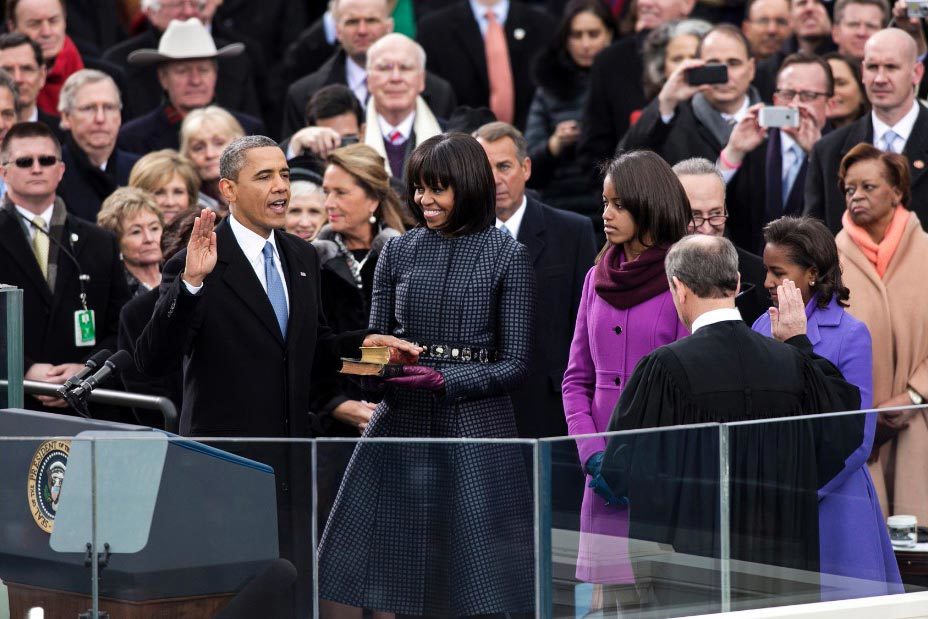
(790,173)
(275,288)
(505,230)
(889,141)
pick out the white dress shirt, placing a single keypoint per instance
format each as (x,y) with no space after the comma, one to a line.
(29,215)
(514,223)
(356,75)
(500,10)
(252,245)
(405,127)
(711,317)
(903,128)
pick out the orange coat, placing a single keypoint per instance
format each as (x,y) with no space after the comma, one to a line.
(895,309)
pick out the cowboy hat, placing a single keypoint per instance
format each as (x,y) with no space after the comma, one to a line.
(184,40)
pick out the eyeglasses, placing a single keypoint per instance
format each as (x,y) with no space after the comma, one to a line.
(46,161)
(806,96)
(714,220)
(199,5)
(109,109)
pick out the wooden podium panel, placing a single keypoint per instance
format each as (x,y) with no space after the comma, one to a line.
(68,605)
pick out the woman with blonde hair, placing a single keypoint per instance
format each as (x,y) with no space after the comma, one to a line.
(204,134)
(134,217)
(170,178)
(306,210)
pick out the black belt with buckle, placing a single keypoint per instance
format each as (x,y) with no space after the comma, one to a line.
(456,352)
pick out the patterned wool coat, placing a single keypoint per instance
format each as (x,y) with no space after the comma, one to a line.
(438,528)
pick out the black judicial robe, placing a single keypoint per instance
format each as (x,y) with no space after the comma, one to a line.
(727,373)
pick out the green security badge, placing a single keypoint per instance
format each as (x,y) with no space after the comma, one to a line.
(85,328)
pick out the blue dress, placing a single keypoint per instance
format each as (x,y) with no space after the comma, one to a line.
(437,528)
(854,543)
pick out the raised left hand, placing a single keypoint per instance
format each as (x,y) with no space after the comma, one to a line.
(401,351)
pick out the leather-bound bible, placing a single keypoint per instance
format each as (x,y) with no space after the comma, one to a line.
(374,361)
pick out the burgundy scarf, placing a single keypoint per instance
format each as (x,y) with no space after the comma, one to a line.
(67,61)
(624,284)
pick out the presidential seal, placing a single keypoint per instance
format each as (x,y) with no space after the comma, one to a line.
(46,475)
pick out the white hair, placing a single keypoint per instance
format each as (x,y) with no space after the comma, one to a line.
(78,80)
(299,189)
(394,37)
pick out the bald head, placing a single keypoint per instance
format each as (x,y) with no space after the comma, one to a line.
(707,265)
(891,74)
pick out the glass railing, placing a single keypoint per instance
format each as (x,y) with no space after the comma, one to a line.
(11,346)
(691,520)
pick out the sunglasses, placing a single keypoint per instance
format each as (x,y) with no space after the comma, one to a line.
(45,161)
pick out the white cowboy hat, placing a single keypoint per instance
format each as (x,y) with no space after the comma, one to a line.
(184,40)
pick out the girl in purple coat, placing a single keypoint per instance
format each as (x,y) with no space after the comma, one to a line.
(626,311)
(857,558)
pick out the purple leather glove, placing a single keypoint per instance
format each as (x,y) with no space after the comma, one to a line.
(418,377)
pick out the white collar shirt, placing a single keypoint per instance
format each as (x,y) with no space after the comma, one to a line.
(725,314)
(741,113)
(903,128)
(500,10)
(46,215)
(404,128)
(356,75)
(514,223)
(252,245)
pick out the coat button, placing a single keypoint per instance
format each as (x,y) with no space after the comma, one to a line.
(618,330)
(618,381)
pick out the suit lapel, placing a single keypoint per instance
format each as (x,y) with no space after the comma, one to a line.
(773,178)
(861,131)
(13,238)
(298,286)
(471,39)
(532,230)
(916,147)
(241,278)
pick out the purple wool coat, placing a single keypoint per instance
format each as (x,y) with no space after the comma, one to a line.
(607,345)
(852,531)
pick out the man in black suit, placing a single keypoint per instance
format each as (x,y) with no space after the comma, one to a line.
(766,168)
(725,372)
(562,247)
(453,38)
(311,49)
(695,121)
(897,122)
(358,25)
(22,58)
(705,189)
(186,61)
(235,81)
(239,311)
(50,267)
(90,113)
(616,84)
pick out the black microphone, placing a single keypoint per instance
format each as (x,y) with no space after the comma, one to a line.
(118,362)
(89,366)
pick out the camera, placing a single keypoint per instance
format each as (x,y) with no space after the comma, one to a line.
(352,138)
(776,116)
(708,74)
(917,9)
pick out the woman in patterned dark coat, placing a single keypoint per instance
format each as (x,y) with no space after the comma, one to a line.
(442,529)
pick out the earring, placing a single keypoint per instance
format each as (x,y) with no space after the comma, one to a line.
(372,219)
(812,283)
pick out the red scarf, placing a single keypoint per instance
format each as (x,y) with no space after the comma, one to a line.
(624,284)
(67,61)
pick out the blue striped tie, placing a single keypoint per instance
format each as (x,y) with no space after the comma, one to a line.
(275,288)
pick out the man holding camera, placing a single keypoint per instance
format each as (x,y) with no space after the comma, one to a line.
(765,160)
(701,101)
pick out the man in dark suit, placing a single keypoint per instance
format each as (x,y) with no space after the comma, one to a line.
(358,25)
(562,248)
(766,168)
(22,58)
(695,121)
(705,189)
(53,274)
(89,106)
(897,122)
(235,83)
(454,40)
(186,61)
(725,372)
(239,311)
(313,47)
(616,86)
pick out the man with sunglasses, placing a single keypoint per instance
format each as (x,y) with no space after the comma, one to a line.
(65,267)
(765,168)
(705,188)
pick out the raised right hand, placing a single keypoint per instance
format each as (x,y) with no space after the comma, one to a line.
(201,249)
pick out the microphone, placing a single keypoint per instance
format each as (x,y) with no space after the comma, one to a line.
(80,272)
(118,362)
(89,366)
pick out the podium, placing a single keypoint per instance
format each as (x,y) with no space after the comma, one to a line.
(185,525)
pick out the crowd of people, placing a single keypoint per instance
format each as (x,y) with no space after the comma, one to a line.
(536,206)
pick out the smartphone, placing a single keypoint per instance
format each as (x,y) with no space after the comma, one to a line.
(917,9)
(775,116)
(707,74)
